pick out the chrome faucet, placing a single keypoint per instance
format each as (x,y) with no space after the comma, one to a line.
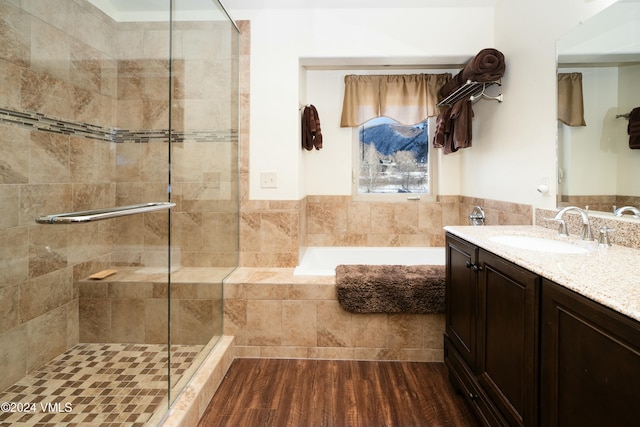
(562,227)
(634,211)
(477,216)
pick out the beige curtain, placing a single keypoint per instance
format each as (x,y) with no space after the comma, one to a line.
(570,103)
(408,98)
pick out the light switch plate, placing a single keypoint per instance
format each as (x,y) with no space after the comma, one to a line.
(269,180)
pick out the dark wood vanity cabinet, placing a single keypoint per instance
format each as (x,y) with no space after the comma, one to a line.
(491,334)
(590,363)
(527,352)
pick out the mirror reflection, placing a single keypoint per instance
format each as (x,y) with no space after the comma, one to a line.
(596,166)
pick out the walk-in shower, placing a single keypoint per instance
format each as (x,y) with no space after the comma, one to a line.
(118,203)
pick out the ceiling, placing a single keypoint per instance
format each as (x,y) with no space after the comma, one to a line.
(158,5)
(351,4)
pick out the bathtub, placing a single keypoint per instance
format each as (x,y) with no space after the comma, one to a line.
(322,260)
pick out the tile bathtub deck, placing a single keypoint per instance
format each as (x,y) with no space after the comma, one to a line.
(96,384)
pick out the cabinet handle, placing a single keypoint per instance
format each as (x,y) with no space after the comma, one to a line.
(475,267)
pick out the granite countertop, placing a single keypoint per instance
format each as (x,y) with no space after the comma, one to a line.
(610,276)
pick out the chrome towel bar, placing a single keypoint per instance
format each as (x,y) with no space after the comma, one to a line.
(100,214)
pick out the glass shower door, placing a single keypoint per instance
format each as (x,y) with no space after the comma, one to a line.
(204,176)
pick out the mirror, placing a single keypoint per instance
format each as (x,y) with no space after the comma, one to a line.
(596,167)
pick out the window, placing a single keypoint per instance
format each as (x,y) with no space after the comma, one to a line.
(392,158)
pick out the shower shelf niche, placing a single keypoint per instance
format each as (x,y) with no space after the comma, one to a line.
(473,91)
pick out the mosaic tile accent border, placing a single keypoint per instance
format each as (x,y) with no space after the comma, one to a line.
(96,385)
(42,122)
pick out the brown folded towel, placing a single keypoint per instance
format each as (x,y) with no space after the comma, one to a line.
(462,115)
(633,129)
(487,66)
(311,134)
(453,127)
(443,128)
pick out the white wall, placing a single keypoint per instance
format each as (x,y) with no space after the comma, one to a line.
(281,37)
(514,143)
(517,146)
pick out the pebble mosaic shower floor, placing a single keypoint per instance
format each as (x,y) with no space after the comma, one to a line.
(96,385)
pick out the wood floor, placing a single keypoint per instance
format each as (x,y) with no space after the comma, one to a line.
(300,393)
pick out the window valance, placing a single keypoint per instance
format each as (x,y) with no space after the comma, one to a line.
(407,98)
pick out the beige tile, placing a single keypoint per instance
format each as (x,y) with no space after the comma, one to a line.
(275,232)
(89,161)
(196,321)
(9,308)
(405,330)
(327,217)
(359,217)
(43,199)
(332,353)
(48,249)
(127,320)
(15,161)
(264,322)
(50,50)
(370,330)
(434,328)
(220,231)
(139,290)
(45,293)
(13,354)
(14,255)
(284,352)
(334,325)
(46,337)
(299,323)
(49,158)
(16,34)
(73,323)
(9,73)
(312,291)
(94,316)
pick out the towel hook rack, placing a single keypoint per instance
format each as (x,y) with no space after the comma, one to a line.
(473,91)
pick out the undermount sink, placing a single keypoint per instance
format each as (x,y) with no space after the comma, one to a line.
(538,244)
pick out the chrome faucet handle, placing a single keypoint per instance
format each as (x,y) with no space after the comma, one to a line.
(603,238)
(477,216)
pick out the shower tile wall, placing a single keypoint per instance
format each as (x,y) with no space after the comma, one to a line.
(59,69)
(67,60)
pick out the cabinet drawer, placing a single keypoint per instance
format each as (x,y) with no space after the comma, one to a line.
(466,384)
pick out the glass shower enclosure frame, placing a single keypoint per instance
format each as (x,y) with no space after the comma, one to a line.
(120,202)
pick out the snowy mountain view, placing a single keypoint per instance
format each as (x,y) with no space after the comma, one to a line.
(393,157)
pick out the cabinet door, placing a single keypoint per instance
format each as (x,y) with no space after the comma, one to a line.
(460,296)
(508,338)
(590,375)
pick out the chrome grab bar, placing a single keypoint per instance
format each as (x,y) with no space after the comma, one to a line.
(100,214)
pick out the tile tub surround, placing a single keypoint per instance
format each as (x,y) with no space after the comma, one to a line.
(609,276)
(272,231)
(272,313)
